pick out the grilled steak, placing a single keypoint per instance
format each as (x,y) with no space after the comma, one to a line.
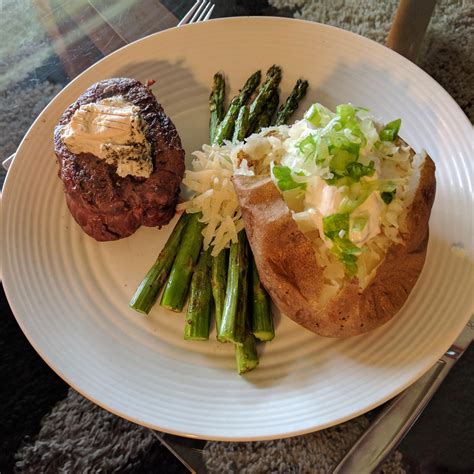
(105,205)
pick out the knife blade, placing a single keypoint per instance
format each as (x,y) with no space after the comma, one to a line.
(394,422)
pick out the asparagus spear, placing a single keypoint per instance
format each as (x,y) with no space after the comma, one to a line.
(225,128)
(177,285)
(147,292)
(216,104)
(267,113)
(226,331)
(241,124)
(241,323)
(262,320)
(291,104)
(271,83)
(199,308)
(246,354)
(218,283)
(237,265)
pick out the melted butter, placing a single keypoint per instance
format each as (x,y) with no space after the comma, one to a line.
(112,130)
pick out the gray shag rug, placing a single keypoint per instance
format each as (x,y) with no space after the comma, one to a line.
(78,436)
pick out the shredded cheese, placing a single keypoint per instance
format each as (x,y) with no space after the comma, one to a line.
(210,180)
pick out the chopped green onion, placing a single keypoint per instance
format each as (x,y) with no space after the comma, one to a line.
(350,262)
(336,228)
(318,115)
(390,132)
(340,161)
(313,116)
(346,112)
(357,170)
(334,223)
(284,179)
(349,204)
(307,146)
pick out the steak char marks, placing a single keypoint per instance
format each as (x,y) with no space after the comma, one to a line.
(110,207)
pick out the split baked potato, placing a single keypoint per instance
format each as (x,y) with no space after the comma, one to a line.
(292,272)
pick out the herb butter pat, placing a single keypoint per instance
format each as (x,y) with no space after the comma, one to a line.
(113,130)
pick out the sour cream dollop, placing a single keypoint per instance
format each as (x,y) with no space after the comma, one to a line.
(322,200)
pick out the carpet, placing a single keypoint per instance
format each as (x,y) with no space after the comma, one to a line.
(63,432)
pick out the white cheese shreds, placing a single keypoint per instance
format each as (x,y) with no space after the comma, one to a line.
(210,180)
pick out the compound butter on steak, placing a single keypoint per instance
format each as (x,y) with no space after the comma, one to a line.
(120,159)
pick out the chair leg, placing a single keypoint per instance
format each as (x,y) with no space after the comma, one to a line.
(409,27)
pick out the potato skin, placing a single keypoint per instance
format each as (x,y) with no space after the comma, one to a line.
(289,271)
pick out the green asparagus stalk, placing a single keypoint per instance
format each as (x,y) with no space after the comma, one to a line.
(246,354)
(262,320)
(177,285)
(216,104)
(237,266)
(218,283)
(225,128)
(226,332)
(199,309)
(241,124)
(291,104)
(148,290)
(269,111)
(271,83)
(241,324)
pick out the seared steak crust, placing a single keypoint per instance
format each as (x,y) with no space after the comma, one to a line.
(105,205)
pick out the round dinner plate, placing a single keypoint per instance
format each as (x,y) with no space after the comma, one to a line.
(70,293)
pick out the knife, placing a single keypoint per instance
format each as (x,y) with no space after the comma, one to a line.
(394,422)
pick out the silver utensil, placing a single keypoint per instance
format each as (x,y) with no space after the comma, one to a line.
(200,11)
(394,422)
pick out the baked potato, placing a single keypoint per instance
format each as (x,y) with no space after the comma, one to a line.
(294,277)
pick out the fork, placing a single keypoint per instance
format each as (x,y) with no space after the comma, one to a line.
(200,11)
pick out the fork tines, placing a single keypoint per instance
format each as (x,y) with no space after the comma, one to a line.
(200,11)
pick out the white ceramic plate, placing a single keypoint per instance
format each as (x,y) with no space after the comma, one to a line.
(70,293)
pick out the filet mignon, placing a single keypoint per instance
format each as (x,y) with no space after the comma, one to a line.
(105,205)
